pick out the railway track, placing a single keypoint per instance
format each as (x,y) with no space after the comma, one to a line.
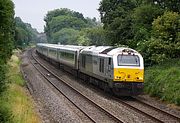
(51,77)
(150,112)
(172,116)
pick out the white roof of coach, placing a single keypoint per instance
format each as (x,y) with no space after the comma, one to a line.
(91,50)
(62,47)
(94,50)
(71,47)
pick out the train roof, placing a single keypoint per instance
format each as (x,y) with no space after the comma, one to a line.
(91,50)
(63,47)
(106,50)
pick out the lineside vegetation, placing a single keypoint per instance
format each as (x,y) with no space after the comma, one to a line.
(163,81)
(16,106)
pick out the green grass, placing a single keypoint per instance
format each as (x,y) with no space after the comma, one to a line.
(163,81)
(16,103)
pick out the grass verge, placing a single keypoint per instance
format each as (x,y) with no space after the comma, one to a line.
(163,81)
(17,105)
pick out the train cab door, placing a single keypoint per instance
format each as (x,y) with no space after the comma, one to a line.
(109,68)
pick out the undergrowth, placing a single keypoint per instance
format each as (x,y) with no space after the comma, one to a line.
(15,105)
(163,81)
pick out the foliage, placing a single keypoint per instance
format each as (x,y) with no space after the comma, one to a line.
(62,12)
(60,22)
(62,18)
(167,27)
(82,37)
(163,81)
(91,23)
(5,113)
(15,105)
(6,37)
(66,36)
(117,20)
(150,26)
(24,34)
(143,17)
(156,51)
(3,83)
(93,36)
(164,42)
(70,27)
(170,5)
(6,29)
(6,46)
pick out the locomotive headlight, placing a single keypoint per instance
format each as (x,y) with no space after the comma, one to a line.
(117,77)
(139,79)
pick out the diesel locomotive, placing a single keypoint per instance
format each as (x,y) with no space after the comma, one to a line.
(117,69)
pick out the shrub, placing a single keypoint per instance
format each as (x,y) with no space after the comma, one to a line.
(2,78)
(5,113)
(166,27)
(163,81)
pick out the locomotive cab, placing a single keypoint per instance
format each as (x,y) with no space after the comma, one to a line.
(128,72)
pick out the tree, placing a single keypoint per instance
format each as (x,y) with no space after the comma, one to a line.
(117,20)
(62,12)
(164,42)
(6,37)
(24,33)
(66,36)
(91,23)
(6,29)
(96,36)
(168,5)
(167,27)
(58,19)
(60,22)
(143,17)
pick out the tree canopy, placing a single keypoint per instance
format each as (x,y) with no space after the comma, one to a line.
(64,26)
(62,18)
(6,37)
(150,26)
(6,29)
(24,33)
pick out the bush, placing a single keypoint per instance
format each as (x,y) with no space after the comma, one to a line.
(165,40)
(156,51)
(163,81)
(166,27)
(2,78)
(5,113)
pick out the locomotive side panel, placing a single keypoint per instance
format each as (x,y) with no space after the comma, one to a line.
(96,66)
